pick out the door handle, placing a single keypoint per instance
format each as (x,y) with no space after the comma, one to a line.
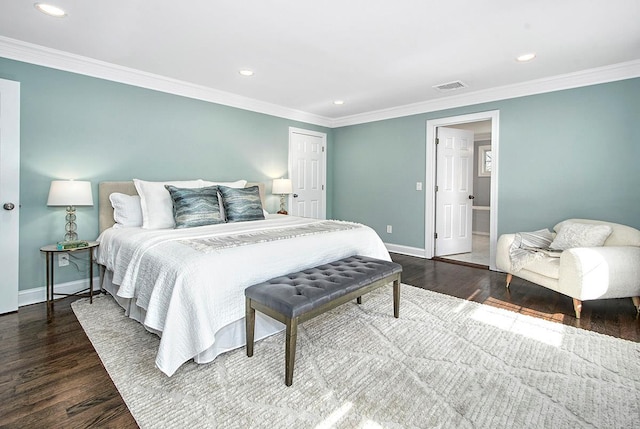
(295,195)
(9,206)
(471,197)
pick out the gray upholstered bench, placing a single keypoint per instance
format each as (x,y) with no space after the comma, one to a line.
(297,297)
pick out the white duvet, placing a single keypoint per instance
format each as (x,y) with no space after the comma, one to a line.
(188,296)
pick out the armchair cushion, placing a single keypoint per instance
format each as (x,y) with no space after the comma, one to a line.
(574,234)
(621,235)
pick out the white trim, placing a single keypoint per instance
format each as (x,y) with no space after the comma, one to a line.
(39,294)
(40,55)
(610,73)
(430,179)
(43,56)
(405,250)
(323,136)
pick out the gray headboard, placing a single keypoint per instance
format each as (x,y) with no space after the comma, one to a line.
(105,219)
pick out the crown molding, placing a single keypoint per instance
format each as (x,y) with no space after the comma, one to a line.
(611,73)
(47,57)
(60,60)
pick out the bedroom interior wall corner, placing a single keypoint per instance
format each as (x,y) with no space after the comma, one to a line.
(113,131)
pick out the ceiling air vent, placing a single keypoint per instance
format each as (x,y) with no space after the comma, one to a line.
(450,86)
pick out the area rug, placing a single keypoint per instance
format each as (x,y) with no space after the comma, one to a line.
(445,363)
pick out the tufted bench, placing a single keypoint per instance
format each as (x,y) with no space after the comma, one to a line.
(298,297)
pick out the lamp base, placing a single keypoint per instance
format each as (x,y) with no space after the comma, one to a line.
(283,212)
(70,227)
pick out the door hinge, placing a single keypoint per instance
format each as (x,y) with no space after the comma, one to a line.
(322,188)
(437,140)
(436,188)
(323,148)
(435,235)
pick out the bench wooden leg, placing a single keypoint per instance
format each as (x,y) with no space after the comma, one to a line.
(250,322)
(290,349)
(396,298)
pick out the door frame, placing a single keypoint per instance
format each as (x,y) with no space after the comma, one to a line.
(10,187)
(323,175)
(430,179)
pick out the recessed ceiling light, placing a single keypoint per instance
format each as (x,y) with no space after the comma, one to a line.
(50,10)
(338,102)
(526,57)
(246,72)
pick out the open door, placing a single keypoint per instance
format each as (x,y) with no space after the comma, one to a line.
(454,191)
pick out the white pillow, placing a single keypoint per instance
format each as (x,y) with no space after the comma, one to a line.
(126,209)
(580,235)
(156,204)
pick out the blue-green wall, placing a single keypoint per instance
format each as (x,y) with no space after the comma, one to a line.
(75,126)
(571,153)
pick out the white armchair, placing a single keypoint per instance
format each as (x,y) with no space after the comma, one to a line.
(584,273)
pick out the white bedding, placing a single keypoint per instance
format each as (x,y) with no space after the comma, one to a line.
(188,296)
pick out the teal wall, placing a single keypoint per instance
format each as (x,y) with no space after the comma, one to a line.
(79,127)
(571,153)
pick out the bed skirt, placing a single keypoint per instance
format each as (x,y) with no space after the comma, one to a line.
(230,337)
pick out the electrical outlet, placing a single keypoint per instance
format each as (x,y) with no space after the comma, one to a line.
(63,259)
(418,186)
(389,229)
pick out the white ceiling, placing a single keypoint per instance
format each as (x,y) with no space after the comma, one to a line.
(373,54)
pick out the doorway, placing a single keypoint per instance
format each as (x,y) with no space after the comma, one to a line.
(484,195)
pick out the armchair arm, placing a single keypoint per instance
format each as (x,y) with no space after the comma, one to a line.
(600,272)
(503,258)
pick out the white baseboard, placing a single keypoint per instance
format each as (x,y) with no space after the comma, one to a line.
(405,250)
(39,294)
(480,233)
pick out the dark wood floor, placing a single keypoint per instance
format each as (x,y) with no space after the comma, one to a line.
(50,375)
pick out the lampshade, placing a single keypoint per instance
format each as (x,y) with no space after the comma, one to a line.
(282,186)
(70,193)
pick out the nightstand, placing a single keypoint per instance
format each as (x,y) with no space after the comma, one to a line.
(50,251)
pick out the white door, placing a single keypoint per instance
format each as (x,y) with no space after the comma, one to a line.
(454,195)
(307,160)
(9,193)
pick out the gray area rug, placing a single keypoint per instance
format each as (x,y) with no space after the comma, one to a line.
(446,363)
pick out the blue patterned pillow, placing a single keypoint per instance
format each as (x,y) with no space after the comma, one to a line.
(241,204)
(195,206)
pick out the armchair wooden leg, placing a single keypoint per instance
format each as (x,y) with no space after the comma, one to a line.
(509,277)
(636,302)
(577,306)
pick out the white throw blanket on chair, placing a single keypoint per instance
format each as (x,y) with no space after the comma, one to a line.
(526,247)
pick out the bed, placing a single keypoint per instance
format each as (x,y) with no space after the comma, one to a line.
(187,284)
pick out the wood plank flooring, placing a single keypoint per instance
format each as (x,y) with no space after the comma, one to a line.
(50,375)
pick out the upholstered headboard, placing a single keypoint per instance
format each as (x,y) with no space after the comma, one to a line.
(105,219)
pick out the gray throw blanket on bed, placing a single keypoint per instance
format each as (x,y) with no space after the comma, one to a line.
(210,244)
(526,247)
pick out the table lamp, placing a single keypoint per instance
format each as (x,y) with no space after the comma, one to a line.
(70,193)
(282,187)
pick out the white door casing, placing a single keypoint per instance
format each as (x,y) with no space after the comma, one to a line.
(9,193)
(430,179)
(454,182)
(307,169)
